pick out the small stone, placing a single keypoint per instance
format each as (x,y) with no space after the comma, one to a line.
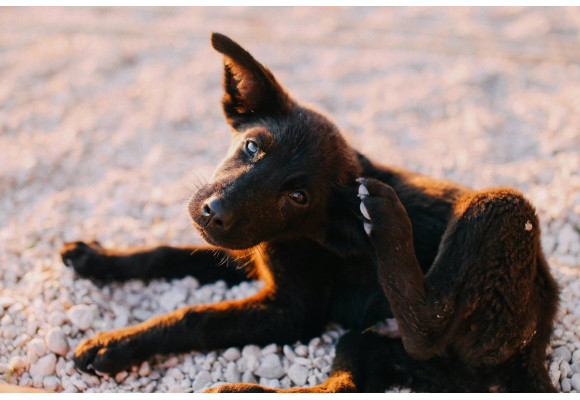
(232,374)
(37,347)
(56,341)
(301,351)
(270,349)
(144,369)
(202,379)
(50,383)
(313,380)
(171,299)
(566,385)
(81,316)
(270,367)
(576,355)
(288,352)
(175,373)
(303,361)
(120,376)
(575,380)
(79,383)
(248,377)
(17,363)
(232,354)
(45,366)
(175,389)
(251,351)
(298,374)
(565,369)
(6,302)
(562,353)
(576,367)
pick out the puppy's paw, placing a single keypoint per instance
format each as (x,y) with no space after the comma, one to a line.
(239,388)
(384,215)
(84,259)
(108,352)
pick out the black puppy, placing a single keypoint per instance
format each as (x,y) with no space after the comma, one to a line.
(347,240)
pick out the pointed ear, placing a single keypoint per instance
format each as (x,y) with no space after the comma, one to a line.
(250,89)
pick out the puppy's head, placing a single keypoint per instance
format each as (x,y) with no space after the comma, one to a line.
(283,164)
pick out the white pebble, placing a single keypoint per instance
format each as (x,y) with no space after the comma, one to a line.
(302,351)
(575,380)
(45,366)
(51,383)
(565,369)
(144,369)
(270,349)
(303,361)
(202,379)
(288,352)
(56,341)
(81,316)
(17,363)
(251,351)
(36,347)
(270,367)
(562,353)
(232,354)
(298,374)
(566,385)
(248,377)
(120,376)
(171,299)
(232,374)
(576,355)
(576,367)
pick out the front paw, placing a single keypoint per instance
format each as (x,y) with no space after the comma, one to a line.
(108,352)
(239,388)
(85,259)
(385,218)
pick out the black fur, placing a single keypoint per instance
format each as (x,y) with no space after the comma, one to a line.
(461,271)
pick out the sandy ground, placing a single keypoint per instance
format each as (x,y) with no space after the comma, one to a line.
(109,117)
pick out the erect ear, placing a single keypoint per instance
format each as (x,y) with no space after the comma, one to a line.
(250,89)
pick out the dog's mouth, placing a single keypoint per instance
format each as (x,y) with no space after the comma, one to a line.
(216,233)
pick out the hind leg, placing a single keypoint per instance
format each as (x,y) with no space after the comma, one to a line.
(207,265)
(488,295)
(365,362)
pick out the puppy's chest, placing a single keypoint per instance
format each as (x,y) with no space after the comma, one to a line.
(357,300)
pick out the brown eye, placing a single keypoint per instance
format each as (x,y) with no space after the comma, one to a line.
(299,197)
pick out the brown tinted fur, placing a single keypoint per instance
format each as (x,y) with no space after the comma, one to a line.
(461,271)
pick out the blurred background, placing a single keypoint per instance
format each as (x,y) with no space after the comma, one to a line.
(109,117)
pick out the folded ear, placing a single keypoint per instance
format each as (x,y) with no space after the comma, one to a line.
(250,89)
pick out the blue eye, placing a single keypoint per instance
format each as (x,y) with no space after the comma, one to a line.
(251,147)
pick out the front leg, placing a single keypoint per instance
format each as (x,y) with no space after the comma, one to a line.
(261,319)
(91,260)
(422,318)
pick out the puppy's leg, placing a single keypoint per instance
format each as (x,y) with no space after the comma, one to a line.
(364,362)
(260,319)
(92,261)
(488,296)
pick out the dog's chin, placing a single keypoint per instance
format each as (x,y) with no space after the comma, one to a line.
(225,242)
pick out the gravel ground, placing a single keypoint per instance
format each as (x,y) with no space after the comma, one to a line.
(108,118)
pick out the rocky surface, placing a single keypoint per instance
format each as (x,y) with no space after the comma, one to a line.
(109,118)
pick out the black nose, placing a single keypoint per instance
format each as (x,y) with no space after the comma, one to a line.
(215,213)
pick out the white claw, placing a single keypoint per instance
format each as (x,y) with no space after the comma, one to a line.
(364,211)
(362,192)
(368,228)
